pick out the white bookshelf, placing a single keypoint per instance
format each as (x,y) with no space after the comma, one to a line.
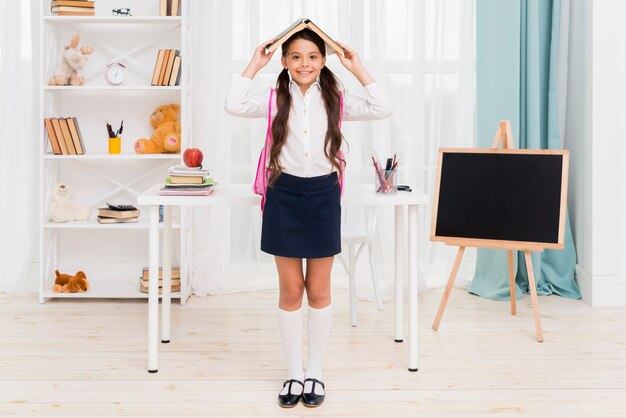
(111,255)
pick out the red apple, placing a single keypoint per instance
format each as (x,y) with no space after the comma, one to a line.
(192,157)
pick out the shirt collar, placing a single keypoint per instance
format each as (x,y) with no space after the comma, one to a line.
(293,83)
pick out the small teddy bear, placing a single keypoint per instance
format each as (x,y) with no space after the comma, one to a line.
(166,135)
(63,209)
(65,283)
(73,60)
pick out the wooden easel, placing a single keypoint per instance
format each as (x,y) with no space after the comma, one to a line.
(504,134)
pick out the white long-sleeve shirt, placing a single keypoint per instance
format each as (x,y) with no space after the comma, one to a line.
(302,154)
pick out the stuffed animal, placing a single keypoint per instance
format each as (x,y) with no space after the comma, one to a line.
(63,209)
(166,135)
(65,283)
(73,60)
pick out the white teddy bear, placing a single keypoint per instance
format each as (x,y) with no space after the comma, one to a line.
(73,60)
(63,209)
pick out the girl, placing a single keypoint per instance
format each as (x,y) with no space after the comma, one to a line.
(302,209)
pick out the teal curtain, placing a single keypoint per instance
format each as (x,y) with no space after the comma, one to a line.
(517,46)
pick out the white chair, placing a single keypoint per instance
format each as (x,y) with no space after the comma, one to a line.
(355,236)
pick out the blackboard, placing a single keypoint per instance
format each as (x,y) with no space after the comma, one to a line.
(488,197)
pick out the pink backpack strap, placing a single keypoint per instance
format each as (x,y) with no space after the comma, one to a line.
(340,153)
(270,104)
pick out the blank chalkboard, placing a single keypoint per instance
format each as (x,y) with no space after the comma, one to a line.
(487,197)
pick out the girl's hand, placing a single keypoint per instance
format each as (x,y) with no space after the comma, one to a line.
(353,64)
(260,58)
(351,59)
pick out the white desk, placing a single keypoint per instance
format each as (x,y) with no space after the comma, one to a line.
(236,195)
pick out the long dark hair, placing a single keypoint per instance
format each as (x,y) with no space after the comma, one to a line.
(330,93)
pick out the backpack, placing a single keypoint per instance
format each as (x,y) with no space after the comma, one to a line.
(262,172)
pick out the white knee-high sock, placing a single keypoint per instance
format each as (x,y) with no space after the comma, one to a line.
(290,323)
(320,322)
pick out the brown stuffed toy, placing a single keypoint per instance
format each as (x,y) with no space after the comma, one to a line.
(166,135)
(65,283)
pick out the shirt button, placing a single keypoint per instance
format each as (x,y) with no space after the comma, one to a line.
(304,110)
(305,131)
(306,154)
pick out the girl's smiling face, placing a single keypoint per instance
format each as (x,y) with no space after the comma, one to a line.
(304,61)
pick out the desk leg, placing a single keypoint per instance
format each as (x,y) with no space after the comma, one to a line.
(412,225)
(399,282)
(166,301)
(153,291)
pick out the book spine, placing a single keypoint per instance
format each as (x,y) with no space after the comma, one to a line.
(74,134)
(170,65)
(80,136)
(54,142)
(175,78)
(166,58)
(59,134)
(157,67)
(67,136)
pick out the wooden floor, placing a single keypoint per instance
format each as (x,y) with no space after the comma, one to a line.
(87,358)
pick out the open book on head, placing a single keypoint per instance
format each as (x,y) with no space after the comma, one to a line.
(297,26)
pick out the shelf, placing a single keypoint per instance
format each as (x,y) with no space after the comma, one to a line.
(97,176)
(132,20)
(128,156)
(111,88)
(142,223)
(110,287)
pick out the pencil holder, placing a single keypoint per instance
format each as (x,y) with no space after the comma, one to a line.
(385,181)
(115,145)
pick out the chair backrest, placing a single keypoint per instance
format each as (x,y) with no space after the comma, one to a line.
(360,217)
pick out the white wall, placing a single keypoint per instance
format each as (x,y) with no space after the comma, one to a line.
(593,134)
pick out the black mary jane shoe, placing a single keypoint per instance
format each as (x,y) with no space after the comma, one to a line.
(311,399)
(289,400)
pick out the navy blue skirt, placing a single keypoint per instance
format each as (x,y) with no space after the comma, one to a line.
(302,217)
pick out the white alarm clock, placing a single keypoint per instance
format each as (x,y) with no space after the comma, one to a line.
(115,73)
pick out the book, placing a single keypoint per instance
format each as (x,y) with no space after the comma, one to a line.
(76,3)
(54,142)
(297,26)
(175,8)
(146,283)
(157,67)
(65,129)
(80,136)
(57,131)
(57,9)
(168,67)
(145,273)
(118,214)
(206,182)
(176,71)
(105,220)
(163,7)
(78,144)
(92,13)
(185,191)
(144,289)
(186,180)
(166,59)
(183,170)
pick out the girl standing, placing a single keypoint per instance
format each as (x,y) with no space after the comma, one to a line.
(302,217)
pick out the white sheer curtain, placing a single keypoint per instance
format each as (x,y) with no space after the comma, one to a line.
(18,158)
(422,51)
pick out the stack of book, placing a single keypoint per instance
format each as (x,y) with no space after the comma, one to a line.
(187,181)
(73,7)
(115,214)
(167,68)
(64,135)
(169,7)
(144,280)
